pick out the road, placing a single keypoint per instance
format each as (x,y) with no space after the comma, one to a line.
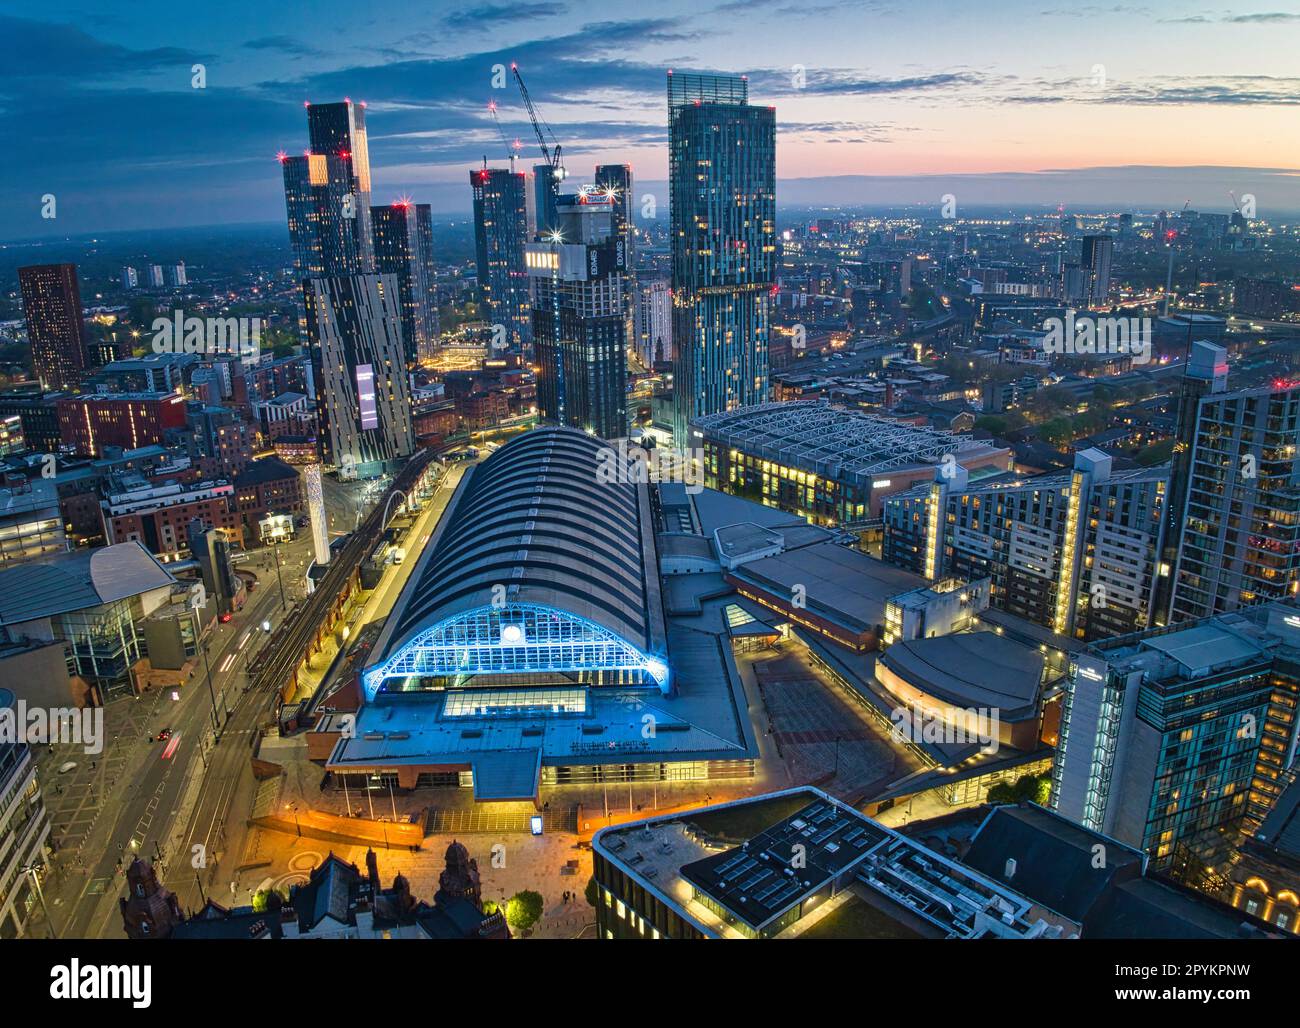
(138,818)
(190,769)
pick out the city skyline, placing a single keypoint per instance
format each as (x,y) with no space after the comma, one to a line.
(881,105)
(527,472)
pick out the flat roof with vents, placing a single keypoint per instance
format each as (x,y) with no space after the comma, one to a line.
(780,867)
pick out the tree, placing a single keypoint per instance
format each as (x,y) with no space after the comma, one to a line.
(592,892)
(991,423)
(1056,431)
(1157,453)
(260,900)
(1052,400)
(524,910)
(1026,789)
(490,907)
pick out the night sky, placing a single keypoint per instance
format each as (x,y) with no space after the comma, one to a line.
(876,102)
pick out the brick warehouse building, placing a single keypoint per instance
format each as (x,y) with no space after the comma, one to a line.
(90,422)
(267,486)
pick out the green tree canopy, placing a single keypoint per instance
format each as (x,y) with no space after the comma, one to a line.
(524,909)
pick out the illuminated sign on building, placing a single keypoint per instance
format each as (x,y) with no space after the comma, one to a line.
(366,396)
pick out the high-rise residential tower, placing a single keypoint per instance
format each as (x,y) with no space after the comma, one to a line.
(1174,737)
(1097,253)
(56,331)
(546,194)
(424,225)
(653,321)
(578,320)
(722,194)
(401,250)
(363,401)
(1204,374)
(614,183)
(500,231)
(1240,527)
(338,130)
(316,194)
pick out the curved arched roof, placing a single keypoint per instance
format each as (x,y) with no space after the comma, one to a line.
(540,519)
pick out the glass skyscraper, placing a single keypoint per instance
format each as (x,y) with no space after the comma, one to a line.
(401,249)
(327,194)
(614,182)
(579,323)
(338,130)
(722,195)
(500,231)
(1240,528)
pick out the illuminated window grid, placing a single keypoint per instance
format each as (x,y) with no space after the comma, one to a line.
(507,702)
(514,639)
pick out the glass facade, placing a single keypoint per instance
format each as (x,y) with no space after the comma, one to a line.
(722,191)
(399,251)
(103,645)
(24,829)
(500,231)
(1240,541)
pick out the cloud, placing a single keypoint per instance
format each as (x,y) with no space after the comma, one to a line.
(848,82)
(284,44)
(1164,91)
(34,49)
(1262,18)
(487,16)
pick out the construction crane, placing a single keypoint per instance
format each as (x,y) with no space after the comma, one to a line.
(512,149)
(553,157)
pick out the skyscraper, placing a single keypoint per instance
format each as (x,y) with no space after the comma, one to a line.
(323,237)
(722,193)
(401,249)
(1240,541)
(56,331)
(338,130)
(546,193)
(424,225)
(614,182)
(1172,737)
(363,401)
(500,230)
(653,321)
(578,320)
(1205,373)
(1097,252)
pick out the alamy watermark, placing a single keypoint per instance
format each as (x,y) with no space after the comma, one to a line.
(211,336)
(1089,336)
(46,726)
(972,725)
(626,463)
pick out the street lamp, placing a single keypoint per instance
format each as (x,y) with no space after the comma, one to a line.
(275,548)
(216,724)
(32,870)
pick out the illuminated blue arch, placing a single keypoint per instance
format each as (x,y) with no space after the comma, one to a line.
(517,638)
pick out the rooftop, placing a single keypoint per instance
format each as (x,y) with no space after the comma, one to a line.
(835,442)
(972,669)
(64,582)
(840,583)
(758,859)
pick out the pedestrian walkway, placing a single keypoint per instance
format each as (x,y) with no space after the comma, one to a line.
(481,819)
